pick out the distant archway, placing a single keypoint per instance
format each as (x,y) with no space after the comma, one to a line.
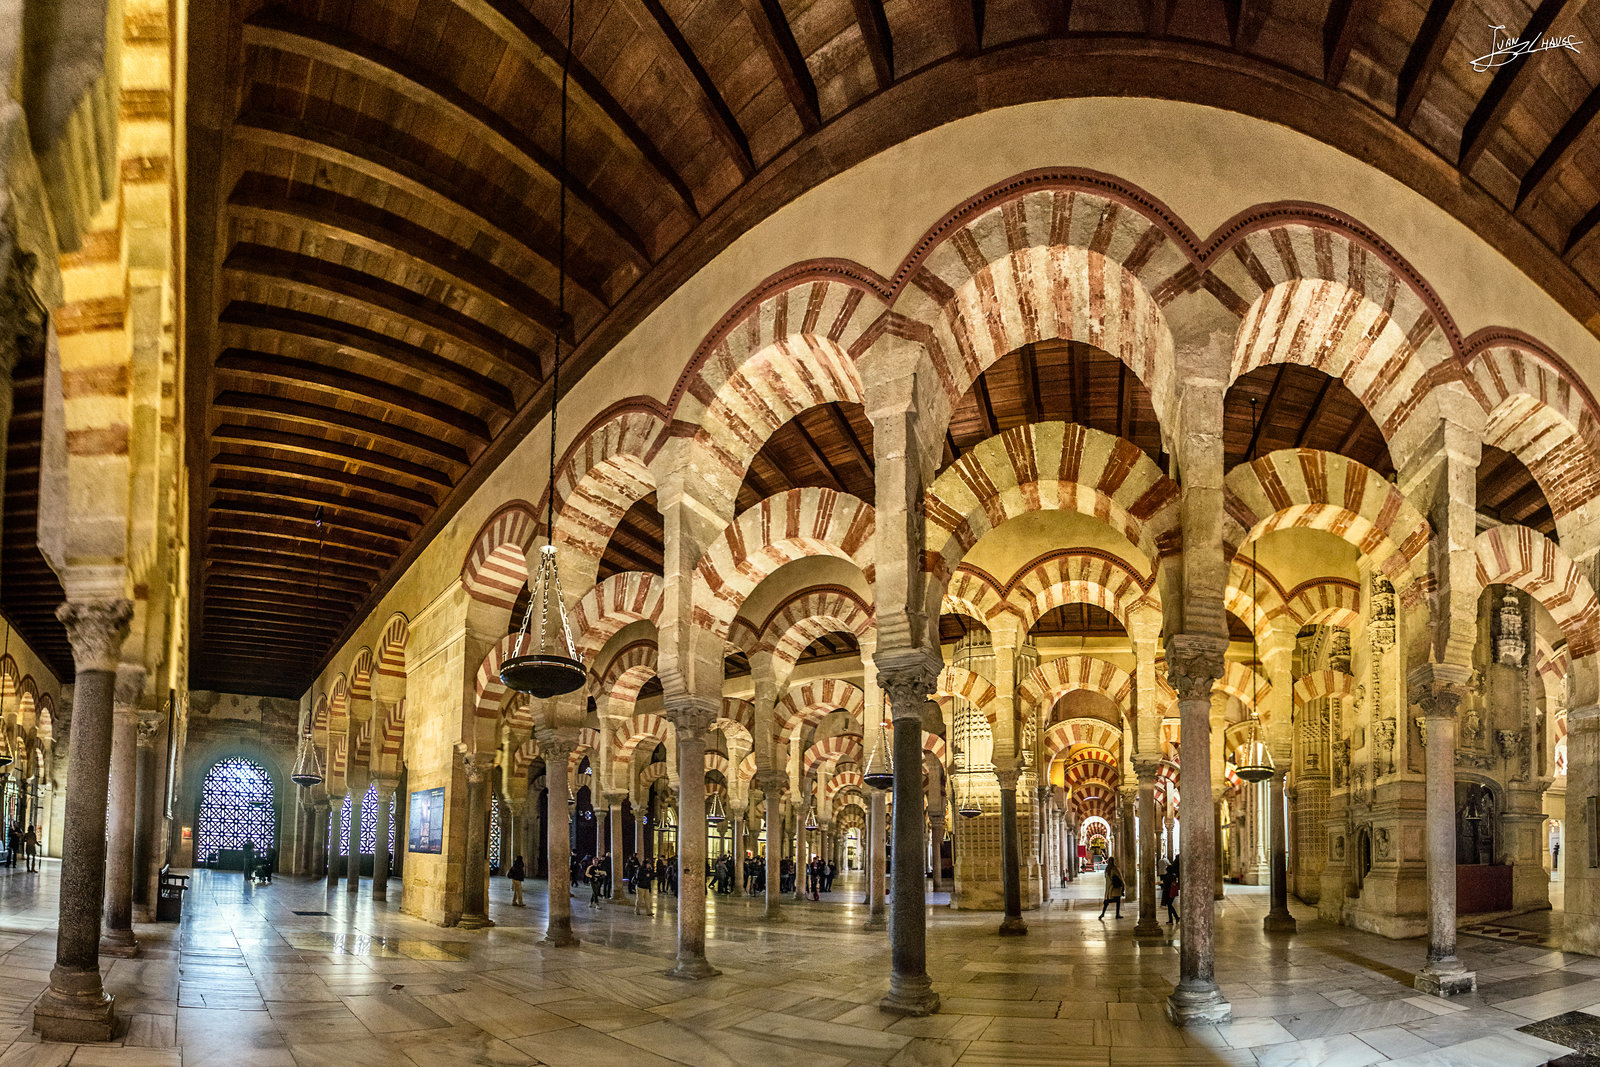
(238,804)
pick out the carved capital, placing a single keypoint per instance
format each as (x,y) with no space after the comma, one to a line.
(96,630)
(129,688)
(1145,765)
(771,783)
(477,765)
(692,716)
(908,678)
(1194,662)
(1438,688)
(1007,770)
(148,726)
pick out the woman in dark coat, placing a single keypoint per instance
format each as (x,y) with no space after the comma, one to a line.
(517,874)
(1169,889)
(1114,886)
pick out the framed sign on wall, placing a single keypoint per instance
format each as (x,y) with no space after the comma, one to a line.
(426,821)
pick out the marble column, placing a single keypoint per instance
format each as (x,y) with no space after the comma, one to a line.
(1072,854)
(801,814)
(771,783)
(118,939)
(146,811)
(358,800)
(907,678)
(1278,920)
(556,749)
(479,766)
(1438,690)
(336,860)
(319,837)
(692,717)
(877,869)
(380,841)
(1041,817)
(1149,928)
(618,846)
(1194,662)
(936,834)
(1127,846)
(1007,769)
(76,1007)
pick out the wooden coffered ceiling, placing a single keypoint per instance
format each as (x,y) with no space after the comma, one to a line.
(371,216)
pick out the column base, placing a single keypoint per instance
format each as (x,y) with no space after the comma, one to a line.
(74,1018)
(1013,926)
(876,924)
(1198,1002)
(475,922)
(1446,978)
(693,969)
(772,914)
(559,934)
(1279,924)
(142,913)
(910,995)
(1152,933)
(119,943)
(379,894)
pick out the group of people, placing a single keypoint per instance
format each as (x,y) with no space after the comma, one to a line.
(24,840)
(1116,888)
(644,874)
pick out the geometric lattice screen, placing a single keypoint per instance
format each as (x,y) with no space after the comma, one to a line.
(369,820)
(494,832)
(236,805)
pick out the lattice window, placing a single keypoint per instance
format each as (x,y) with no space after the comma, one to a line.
(369,822)
(494,833)
(237,804)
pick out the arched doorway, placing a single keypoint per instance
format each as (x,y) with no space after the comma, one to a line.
(238,804)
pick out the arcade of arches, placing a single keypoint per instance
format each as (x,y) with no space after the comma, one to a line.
(1068,449)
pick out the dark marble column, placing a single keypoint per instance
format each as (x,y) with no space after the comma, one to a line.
(692,720)
(1194,662)
(319,838)
(336,860)
(877,831)
(936,835)
(380,841)
(907,678)
(619,846)
(117,938)
(1007,769)
(1278,920)
(475,863)
(1439,696)
(358,800)
(146,812)
(1149,928)
(771,784)
(556,747)
(76,1007)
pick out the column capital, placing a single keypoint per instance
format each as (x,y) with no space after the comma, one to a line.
(1008,769)
(386,787)
(149,725)
(614,800)
(692,715)
(1438,688)
(771,783)
(908,677)
(96,629)
(556,741)
(1584,717)
(1146,764)
(477,765)
(1194,662)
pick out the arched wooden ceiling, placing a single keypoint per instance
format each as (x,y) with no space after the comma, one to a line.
(371,212)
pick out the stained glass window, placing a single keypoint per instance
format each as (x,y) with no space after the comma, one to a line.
(237,804)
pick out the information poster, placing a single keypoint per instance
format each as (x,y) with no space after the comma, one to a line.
(427,821)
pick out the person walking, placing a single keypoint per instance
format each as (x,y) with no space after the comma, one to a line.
(30,848)
(13,843)
(517,874)
(1114,887)
(1169,889)
(596,883)
(641,888)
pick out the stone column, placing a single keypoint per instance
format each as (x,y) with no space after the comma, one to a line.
(556,749)
(1149,928)
(1194,662)
(319,837)
(475,870)
(801,812)
(380,841)
(618,845)
(1127,839)
(118,939)
(358,801)
(146,810)
(1041,816)
(907,678)
(936,834)
(771,783)
(1007,769)
(1071,845)
(336,861)
(1438,690)
(1278,920)
(692,717)
(76,1007)
(877,868)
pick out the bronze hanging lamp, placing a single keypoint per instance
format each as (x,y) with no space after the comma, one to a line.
(879,771)
(716,809)
(307,768)
(1256,763)
(967,806)
(545,664)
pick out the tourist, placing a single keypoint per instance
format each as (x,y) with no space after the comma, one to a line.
(516,874)
(30,848)
(1169,889)
(1113,888)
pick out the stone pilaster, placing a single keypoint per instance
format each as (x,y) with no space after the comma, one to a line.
(146,811)
(319,837)
(556,746)
(1007,769)
(358,801)
(771,785)
(475,872)
(907,678)
(692,717)
(1438,690)
(118,939)
(76,1007)
(877,869)
(380,841)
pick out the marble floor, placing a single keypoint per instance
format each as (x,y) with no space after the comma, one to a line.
(292,974)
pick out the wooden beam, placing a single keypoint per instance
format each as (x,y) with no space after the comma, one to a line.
(546,52)
(289,134)
(877,40)
(320,416)
(1056,15)
(654,22)
(1263,417)
(1232,13)
(383,353)
(1554,17)
(281,468)
(1312,415)
(1580,234)
(327,448)
(1558,154)
(286,490)
(772,30)
(354,223)
(980,390)
(847,433)
(321,279)
(1427,53)
(817,456)
(966,23)
(1339,30)
(1028,383)
(284,31)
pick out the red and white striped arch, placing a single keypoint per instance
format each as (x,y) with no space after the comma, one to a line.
(392,731)
(809,615)
(627,672)
(747,768)
(361,675)
(976,595)
(339,705)
(1072,733)
(1081,576)
(809,702)
(1319,684)
(604,472)
(778,530)
(392,647)
(737,720)
(1245,686)
(1309,489)
(831,750)
(1325,602)
(960,682)
(488,691)
(1051,466)
(496,567)
(1524,558)
(1050,681)
(841,781)
(625,597)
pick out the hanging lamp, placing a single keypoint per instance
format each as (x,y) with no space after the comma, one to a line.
(967,807)
(307,768)
(545,664)
(811,820)
(879,772)
(716,810)
(667,821)
(1256,765)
